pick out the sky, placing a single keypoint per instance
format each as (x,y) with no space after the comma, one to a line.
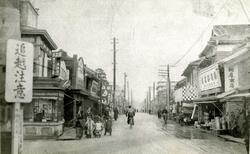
(150,33)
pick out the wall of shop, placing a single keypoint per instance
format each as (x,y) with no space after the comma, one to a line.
(235,115)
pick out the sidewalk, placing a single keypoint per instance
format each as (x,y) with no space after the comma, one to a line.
(68,134)
(233,139)
(226,137)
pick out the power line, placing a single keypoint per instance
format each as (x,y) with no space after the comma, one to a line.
(201,35)
(244,10)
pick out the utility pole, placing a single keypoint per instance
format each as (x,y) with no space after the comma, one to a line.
(128,93)
(169,87)
(166,75)
(10,29)
(149,97)
(114,70)
(125,76)
(131,97)
(147,101)
(153,94)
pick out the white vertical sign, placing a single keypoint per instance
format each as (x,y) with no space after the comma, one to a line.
(19,71)
(231,77)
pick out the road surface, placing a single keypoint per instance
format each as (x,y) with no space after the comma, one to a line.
(148,136)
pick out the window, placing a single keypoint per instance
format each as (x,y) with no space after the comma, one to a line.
(215,75)
(212,78)
(43,110)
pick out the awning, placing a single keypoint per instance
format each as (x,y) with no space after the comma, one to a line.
(205,102)
(44,97)
(225,94)
(210,102)
(202,99)
(190,105)
(239,95)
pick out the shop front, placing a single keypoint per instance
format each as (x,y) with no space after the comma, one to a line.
(237,81)
(43,117)
(211,115)
(209,108)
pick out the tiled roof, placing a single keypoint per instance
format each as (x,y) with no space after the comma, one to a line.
(189,67)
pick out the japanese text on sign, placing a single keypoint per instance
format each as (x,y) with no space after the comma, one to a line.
(231,78)
(19,71)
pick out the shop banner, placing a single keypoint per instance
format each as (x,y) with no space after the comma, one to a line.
(231,77)
(209,78)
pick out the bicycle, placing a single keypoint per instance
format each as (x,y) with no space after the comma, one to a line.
(130,122)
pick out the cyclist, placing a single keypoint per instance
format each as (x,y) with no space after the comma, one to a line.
(130,114)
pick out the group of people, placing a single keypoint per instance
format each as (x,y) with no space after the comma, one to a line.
(92,124)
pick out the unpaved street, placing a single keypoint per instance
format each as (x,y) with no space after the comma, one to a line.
(148,135)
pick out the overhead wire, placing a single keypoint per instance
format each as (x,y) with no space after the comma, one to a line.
(244,10)
(202,33)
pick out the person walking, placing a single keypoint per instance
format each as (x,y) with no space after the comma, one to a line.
(116,113)
(78,125)
(159,113)
(165,115)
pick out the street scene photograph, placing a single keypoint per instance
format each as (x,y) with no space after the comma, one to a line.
(124,76)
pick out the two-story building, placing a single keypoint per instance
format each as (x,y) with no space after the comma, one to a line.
(178,95)
(84,88)
(43,117)
(190,90)
(237,83)
(211,106)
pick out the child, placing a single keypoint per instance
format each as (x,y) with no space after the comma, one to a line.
(89,125)
(98,128)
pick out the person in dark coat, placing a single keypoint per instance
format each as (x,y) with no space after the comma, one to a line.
(106,113)
(78,124)
(159,114)
(115,113)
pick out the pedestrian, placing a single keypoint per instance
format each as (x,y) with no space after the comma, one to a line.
(78,125)
(98,127)
(165,115)
(106,113)
(89,127)
(115,113)
(159,113)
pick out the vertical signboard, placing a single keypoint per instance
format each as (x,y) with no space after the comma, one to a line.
(94,88)
(19,71)
(18,85)
(231,77)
